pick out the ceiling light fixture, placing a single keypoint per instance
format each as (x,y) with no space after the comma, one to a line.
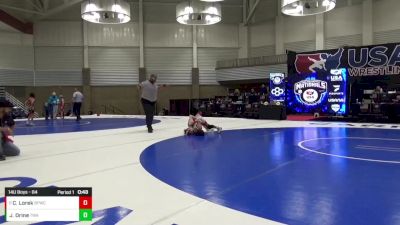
(192,12)
(306,7)
(106,11)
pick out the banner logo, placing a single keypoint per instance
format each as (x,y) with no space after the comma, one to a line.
(318,62)
(336,88)
(335,107)
(336,78)
(277,86)
(310,92)
(340,100)
(277,79)
(277,91)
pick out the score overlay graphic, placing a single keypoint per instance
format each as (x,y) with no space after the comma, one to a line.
(48,204)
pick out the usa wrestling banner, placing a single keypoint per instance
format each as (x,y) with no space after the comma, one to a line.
(359,61)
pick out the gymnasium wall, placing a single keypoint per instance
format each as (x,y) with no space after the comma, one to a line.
(341,26)
(53,58)
(16,58)
(126,98)
(386,21)
(113,50)
(57,60)
(42,93)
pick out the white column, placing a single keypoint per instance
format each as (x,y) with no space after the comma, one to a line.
(34,60)
(194,34)
(279,31)
(279,35)
(141,35)
(319,32)
(367,23)
(244,34)
(244,12)
(244,41)
(349,2)
(85,45)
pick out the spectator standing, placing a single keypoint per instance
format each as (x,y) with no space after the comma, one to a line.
(253,97)
(263,89)
(53,105)
(46,110)
(77,99)
(30,105)
(62,106)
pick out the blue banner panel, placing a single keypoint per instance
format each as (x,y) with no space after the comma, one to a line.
(318,92)
(277,86)
(337,91)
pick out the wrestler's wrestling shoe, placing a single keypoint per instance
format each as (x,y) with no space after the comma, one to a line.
(219,130)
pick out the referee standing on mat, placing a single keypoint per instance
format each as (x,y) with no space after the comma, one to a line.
(149,90)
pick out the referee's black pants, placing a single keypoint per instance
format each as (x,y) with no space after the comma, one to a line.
(76,108)
(149,108)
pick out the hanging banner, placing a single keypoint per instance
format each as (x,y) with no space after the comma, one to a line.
(277,86)
(373,60)
(337,91)
(318,92)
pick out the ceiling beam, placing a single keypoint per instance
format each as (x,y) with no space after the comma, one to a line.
(252,11)
(34,4)
(223,4)
(60,8)
(15,23)
(39,4)
(244,11)
(3,6)
(46,4)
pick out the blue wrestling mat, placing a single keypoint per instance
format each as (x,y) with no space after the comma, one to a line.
(300,176)
(70,125)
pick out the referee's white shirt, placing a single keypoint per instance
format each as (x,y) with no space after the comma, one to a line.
(149,91)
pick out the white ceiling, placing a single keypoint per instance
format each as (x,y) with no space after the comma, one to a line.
(154,10)
(31,10)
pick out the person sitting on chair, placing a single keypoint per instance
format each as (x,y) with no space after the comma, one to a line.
(377,95)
